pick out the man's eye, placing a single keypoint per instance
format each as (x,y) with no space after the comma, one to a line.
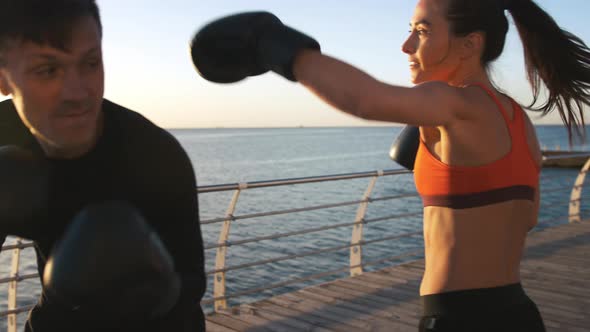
(95,63)
(46,71)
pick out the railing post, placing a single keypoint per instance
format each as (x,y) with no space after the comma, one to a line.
(575,199)
(356,256)
(13,286)
(219,277)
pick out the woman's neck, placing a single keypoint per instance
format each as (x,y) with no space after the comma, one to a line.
(467,75)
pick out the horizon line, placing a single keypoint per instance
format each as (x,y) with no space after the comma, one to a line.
(326,127)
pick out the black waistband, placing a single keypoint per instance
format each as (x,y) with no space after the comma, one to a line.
(473,300)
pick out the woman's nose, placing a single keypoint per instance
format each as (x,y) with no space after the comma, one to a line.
(409,46)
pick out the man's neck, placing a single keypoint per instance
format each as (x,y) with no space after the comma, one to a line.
(70,152)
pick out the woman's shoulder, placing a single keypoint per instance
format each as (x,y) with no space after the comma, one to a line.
(532,140)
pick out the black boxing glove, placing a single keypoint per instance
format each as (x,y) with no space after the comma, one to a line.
(234,47)
(405,147)
(24,181)
(112,267)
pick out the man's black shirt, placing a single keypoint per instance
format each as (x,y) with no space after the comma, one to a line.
(135,161)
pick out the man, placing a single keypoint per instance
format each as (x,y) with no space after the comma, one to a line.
(95,151)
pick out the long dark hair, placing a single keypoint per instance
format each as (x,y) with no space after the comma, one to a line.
(553,57)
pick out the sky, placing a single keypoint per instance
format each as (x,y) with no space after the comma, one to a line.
(148,66)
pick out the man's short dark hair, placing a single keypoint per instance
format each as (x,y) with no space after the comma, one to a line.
(44,22)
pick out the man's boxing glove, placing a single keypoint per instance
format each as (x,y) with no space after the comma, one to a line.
(112,267)
(234,47)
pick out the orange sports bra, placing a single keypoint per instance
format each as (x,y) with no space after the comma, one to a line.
(514,176)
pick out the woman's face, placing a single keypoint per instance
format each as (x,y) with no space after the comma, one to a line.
(430,45)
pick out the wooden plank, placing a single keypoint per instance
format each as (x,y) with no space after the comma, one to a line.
(546,300)
(555,277)
(270,310)
(353,299)
(373,319)
(331,311)
(383,297)
(214,327)
(563,256)
(577,291)
(293,323)
(324,319)
(228,321)
(260,322)
(380,306)
(314,323)
(399,295)
(554,274)
(381,281)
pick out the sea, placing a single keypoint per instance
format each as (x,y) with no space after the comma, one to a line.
(230,156)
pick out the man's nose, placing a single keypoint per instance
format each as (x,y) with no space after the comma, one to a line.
(74,86)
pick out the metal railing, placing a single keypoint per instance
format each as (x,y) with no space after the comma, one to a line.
(354,246)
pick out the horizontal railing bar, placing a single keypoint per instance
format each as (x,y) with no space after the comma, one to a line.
(550,178)
(278,259)
(307,231)
(19,278)
(556,189)
(567,155)
(547,221)
(304,209)
(395,216)
(390,198)
(23,245)
(280,212)
(309,253)
(17,310)
(552,208)
(280,235)
(302,180)
(391,258)
(387,238)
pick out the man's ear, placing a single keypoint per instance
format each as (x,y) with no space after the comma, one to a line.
(473,45)
(4,87)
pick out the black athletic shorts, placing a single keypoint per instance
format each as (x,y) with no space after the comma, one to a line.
(505,308)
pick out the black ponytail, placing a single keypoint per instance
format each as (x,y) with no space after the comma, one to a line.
(554,57)
(559,60)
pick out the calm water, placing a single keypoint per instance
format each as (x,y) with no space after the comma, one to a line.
(246,155)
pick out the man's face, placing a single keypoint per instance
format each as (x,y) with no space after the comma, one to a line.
(58,94)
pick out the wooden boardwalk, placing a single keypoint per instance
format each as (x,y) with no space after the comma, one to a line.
(555,274)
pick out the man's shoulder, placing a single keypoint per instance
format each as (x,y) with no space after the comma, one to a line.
(149,150)
(123,116)
(132,124)
(141,138)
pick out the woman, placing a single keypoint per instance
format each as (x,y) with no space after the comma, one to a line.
(477,167)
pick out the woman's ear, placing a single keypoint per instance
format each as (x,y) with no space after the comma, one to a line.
(473,45)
